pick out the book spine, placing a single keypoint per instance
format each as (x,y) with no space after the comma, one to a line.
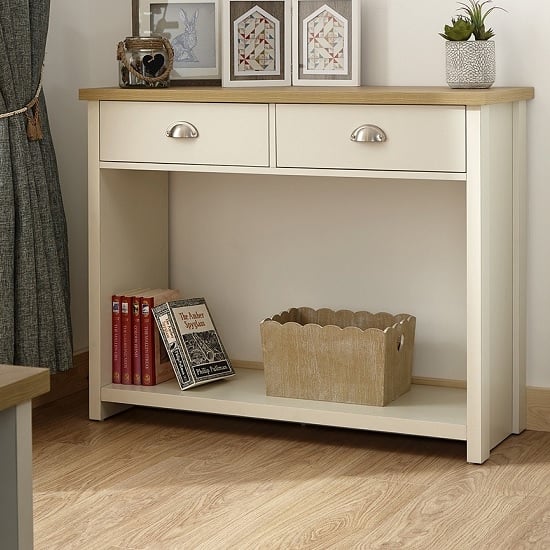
(116,344)
(136,340)
(126,339)
(168,332)
(148,352)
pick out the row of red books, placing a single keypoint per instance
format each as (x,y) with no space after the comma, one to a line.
(138,354)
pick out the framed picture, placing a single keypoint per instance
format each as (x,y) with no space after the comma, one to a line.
(256,43)
(326,42)
(192,27)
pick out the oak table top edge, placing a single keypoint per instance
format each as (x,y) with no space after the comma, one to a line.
(360,95)
(19,384)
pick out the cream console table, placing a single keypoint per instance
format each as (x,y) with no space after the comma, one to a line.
(18,385)
(138,138)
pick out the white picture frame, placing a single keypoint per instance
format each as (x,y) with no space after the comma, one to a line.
(256,43)
(193,29)
(326,42)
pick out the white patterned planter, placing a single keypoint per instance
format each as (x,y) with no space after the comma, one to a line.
(470,64)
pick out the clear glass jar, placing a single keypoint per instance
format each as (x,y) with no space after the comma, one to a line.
(144,62)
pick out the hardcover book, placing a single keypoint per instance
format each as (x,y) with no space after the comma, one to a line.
(126,339)
(116,343)
(124,353)
(136,339)
(155,363)
(191,339)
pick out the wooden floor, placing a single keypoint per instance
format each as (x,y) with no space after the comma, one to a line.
(156,480)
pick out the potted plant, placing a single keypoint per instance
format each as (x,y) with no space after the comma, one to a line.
(469,50)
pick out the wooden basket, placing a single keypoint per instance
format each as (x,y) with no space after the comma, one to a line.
(344,356)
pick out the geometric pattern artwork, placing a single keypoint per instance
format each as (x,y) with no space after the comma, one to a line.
(256,43)
(326,50)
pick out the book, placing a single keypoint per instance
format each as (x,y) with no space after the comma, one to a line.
(136,339)
(136,334)
(192,342)
(116,332)
(116,343)
(159,368)
(126,334)
(126,339)
(155,364)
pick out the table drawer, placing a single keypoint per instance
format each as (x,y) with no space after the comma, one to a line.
(228,135)
(417,138)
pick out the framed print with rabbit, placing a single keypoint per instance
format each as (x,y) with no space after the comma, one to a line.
(256,42)
(192,27)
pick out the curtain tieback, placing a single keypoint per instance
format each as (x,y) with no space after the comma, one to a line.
(32,112)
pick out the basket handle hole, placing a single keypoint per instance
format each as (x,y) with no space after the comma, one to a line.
(400,342)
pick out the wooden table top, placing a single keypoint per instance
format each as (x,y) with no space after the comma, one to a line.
(20,384)
(359,95)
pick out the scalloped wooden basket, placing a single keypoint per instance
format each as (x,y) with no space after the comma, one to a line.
(343,356)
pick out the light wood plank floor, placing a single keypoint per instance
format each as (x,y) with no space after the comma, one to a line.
(165,480)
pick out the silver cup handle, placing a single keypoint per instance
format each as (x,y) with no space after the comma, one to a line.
(368,133)
(182,129)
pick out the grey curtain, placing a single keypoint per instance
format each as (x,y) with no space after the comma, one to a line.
(35,326)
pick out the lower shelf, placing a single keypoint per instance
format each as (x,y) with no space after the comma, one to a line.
(425,410)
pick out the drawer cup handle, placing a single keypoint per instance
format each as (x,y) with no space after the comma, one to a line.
(368,133)
(182,130)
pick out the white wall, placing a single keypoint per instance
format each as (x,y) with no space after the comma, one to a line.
(400,47)
(80,53)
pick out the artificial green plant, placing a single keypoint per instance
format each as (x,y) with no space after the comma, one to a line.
(470,22)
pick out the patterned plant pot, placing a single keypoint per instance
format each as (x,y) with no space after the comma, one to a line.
(470,64)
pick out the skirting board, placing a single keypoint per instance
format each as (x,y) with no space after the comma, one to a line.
(66,383)
(538,409)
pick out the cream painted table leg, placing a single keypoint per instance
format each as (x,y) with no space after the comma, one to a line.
(16,477)
(18,385)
